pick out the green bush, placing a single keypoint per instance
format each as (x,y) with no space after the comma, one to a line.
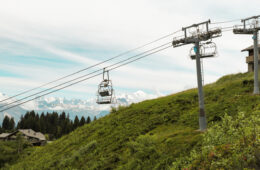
(141,153)
(233,143)
(10,151)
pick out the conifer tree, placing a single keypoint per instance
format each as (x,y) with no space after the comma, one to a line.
(76,122)
(82,121)
(53,124)
(6,123)
(88,120)
(12,124)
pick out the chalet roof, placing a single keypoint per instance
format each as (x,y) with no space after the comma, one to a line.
(32,133)
(27,132)
(250,48)
(4,135)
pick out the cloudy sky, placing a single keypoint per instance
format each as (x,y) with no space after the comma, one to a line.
(41,41)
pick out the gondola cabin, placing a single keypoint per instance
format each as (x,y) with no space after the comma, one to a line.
(105,93)
(207,50)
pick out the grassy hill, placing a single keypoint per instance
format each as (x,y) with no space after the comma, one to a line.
(159,133)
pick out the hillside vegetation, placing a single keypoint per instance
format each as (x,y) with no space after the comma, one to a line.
(162,134)
(11,151)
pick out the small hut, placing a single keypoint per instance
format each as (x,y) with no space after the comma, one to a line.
(250,58)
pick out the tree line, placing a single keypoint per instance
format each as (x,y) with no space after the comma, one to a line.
(8,124)
(53,124)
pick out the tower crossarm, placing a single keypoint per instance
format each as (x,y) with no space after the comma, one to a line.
(199,37)
(253,17)
(245,31)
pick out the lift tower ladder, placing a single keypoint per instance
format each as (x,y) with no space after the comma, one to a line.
(252,29)
(200,34)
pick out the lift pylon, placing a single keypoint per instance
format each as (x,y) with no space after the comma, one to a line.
(251,28)
(195,34)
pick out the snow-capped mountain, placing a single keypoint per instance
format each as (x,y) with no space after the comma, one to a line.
(73,106)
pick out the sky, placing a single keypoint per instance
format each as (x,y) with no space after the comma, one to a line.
(41,41)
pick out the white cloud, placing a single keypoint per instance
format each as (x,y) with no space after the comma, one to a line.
(114,26)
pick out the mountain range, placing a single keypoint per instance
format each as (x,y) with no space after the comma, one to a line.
(72,106)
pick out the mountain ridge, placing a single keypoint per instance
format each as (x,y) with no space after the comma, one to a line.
(72,106)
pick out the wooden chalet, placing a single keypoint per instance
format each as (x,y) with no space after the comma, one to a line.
(250,58)
(35,138)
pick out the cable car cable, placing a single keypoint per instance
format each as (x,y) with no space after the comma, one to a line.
(83,75)
(69,75)
(223,22)
(86,78)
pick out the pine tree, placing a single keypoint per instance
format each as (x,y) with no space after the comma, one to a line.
(82,121)
(6,123)
(95,118)
(76,122)
(69,124)
(42,123)
(88,120)
(37,123)
(12,124)
(62,117)
(20,124)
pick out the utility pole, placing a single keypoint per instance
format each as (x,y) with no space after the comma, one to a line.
(200,33)
(253,30)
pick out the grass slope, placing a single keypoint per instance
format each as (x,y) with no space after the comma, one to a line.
(147,135)
(9,151)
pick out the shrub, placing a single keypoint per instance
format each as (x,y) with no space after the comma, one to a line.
(231,144)
(142,153)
